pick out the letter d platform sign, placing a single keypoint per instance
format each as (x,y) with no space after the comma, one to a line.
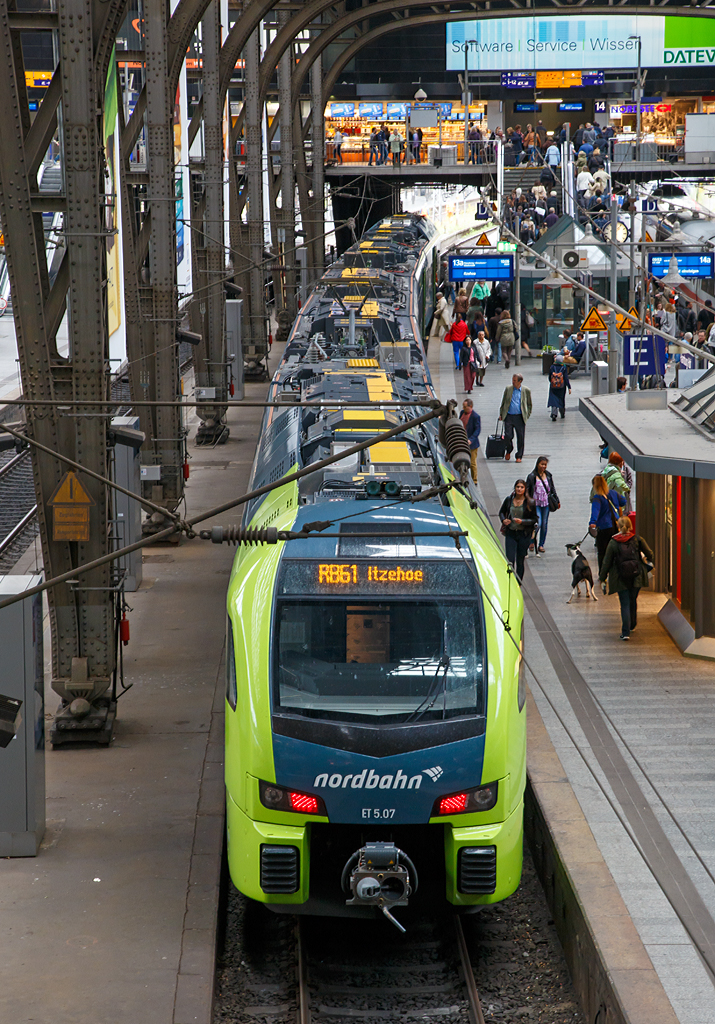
(639,354)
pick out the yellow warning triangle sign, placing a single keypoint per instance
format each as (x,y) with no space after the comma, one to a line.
(71,491)
(594,321)
(625,323)
(484,240)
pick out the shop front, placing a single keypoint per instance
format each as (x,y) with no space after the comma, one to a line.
(671,450)
(356,122)
(662,123)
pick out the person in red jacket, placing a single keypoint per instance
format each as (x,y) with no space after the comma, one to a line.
(456,334)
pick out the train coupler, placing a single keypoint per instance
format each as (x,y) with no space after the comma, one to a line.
(380,875)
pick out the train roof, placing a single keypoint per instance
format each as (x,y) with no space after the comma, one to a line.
(358,340)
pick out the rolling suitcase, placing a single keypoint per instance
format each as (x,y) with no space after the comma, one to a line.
(496,443)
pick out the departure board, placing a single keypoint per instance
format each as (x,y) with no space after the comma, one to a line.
(690,264)
(375,577)
(481,268)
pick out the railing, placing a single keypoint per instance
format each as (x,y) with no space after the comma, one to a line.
(479,153)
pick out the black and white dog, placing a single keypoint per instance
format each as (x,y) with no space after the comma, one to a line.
(580,572)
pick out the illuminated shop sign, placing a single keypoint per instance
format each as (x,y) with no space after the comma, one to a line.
(616,109)
(585,42)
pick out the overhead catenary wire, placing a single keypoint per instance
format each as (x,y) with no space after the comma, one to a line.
(188,524)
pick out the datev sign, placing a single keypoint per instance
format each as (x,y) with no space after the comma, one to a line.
(543,44)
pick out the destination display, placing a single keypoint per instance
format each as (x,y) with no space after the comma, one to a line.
(481,268)
(580,42)
(376,576)
(690,264)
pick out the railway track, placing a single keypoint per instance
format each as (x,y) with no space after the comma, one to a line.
(18,509)
(374,975)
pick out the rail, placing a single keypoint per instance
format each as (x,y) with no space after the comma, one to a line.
(410,967)
(17,529)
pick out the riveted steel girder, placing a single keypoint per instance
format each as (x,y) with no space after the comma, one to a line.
(158,296)
(207,239)
(82,619)
(256,343)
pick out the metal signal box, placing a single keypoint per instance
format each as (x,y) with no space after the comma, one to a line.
(22,758)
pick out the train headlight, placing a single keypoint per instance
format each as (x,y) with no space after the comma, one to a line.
(276,798)
(467,801)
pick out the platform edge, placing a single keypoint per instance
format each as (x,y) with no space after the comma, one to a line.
(613,975)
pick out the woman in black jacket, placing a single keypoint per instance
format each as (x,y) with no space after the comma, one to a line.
(540,488)
(518,519)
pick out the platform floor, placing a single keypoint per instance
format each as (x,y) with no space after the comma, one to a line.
(641,715)
(115,921)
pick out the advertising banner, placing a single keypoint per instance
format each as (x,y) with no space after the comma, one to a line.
(591,41)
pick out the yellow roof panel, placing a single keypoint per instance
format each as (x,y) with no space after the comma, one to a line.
(363,414)
(390,451)
(362,362)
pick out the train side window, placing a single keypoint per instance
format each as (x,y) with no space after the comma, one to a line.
(231,685)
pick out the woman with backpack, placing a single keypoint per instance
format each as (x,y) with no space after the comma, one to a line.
(606,510)
(558,382)
(461,304)
(506,336)
(540,487)
(456,335)
(626,571)
(518,519)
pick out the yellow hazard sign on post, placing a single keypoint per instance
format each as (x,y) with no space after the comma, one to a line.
(625,324)
(594,321)
(484,240)
(70,506)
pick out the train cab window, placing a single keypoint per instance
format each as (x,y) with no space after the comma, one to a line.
(387,662)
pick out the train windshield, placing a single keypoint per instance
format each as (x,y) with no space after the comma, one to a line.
(384,662)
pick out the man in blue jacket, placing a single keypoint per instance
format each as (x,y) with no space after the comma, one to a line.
(473,425)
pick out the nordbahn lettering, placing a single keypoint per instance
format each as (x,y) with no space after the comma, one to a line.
(373,780)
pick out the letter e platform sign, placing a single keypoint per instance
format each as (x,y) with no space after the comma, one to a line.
(639,354)
(70,509)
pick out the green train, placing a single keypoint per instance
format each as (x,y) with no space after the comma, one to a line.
(375,723)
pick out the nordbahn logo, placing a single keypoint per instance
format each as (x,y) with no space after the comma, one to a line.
(372,780)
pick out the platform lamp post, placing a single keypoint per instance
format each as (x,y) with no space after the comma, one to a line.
(638,99)
(467,44)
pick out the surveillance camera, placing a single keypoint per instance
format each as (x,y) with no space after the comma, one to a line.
(126,435)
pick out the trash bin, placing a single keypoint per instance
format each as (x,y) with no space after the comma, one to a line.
(547,361)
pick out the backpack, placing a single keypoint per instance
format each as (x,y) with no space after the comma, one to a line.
(557,379)
(628,561)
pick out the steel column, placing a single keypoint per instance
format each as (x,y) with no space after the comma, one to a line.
(317,220)
(256,344)
(287,220)
(210,356)
(159,308)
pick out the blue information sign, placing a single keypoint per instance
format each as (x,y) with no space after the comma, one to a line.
(527,108)
(593,78)
(481,268)
(342,110)
(690,264)
(639,354)
(371,110)
(570,106)
(518,80)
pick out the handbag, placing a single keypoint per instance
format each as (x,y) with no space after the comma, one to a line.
(554,503)
(529,320)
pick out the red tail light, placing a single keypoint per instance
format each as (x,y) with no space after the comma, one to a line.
(304,803)
(453,804)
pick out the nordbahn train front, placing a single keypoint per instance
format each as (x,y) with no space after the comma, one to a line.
(376,731)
